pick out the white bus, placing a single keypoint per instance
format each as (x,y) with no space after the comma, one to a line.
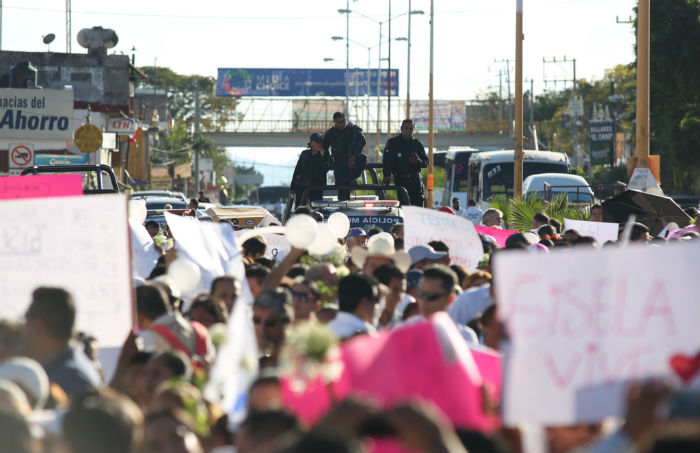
(456,163)
(491,172)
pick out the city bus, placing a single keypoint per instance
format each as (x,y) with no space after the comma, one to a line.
(269,197)
(456,163)
(491,172)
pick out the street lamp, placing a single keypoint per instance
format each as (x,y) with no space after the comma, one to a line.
(347,12)
(368,82)
(408,63)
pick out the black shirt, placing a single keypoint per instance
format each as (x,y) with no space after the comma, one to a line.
(311,170)
(396,154)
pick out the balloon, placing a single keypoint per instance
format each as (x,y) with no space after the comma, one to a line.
(301,230)
(340,223)
(137,210)
(185,274)
(325,240)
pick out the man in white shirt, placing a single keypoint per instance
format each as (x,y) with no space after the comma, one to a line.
(473,214)
(358,299)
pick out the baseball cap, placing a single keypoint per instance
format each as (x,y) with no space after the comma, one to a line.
(424,252)
(316,137)
(447,209)
(413,278)
(356,232)
(278,300)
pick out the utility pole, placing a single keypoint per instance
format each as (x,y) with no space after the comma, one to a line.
(518,153)
(196,138)
(379,96)
(347,60)
(69,27)
(430,112)
(577,157)
(388,115)
(642,84)
(408,65)
(510,105)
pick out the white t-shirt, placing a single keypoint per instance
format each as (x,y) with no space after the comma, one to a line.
(473,214)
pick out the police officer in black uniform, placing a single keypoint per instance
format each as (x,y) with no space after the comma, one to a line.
(404,156)
(345,142)
(312,166)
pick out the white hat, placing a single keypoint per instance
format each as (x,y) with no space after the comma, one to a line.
(384,247)
(29,375)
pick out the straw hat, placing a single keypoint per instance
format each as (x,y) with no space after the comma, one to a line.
(384,247)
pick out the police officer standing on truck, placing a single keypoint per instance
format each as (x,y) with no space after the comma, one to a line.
(311,169)
(404,157)
(345,143)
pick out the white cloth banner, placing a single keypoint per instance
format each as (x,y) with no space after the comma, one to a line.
(601,231)
(584,324)
(80,244)
(423,225)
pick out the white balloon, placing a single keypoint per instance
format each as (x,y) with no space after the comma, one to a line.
(325,240)
(185,274)
(137,210)
(340,223)
(301,230)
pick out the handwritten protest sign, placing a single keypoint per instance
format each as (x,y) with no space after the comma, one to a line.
(424,225)
(40,186)
(583,324)
(499,235)
(601,231)
(76,243)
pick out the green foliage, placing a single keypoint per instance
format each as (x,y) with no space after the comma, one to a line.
(674,95)
(518,214)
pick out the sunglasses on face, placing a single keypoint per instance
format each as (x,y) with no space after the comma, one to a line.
(430,296)
(304,297)
(268,323)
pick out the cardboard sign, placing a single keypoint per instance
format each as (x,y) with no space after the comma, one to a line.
(80,244)
(423,225)
(585,323)
(601,231)
(40,186)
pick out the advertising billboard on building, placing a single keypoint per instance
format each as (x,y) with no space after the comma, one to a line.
(36,114)
(281,82)
(601,130)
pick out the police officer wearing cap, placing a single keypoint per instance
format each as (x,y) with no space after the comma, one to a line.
(404,157)
(312,166)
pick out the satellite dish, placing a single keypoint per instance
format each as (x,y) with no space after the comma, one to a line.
(48,39)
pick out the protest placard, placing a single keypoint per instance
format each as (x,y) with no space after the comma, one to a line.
(584,324)
(40,186)
(601,231)
(498,234)
(423,225)
(79,244)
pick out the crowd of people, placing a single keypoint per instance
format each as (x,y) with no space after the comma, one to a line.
(55,397)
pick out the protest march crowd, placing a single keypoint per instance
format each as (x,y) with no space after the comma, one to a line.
(442,334)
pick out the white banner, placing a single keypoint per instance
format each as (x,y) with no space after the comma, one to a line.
(601,231)
(43,114)
(80,244)
(583,324)
(423,225)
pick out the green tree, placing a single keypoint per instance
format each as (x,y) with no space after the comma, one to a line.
(674,67)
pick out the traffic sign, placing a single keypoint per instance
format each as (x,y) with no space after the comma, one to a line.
(88,138)
(576,107)
(21,155)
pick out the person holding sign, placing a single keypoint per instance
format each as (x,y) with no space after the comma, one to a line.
(404,157)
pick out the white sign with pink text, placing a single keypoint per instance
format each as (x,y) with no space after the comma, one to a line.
(584,324)
(423,225)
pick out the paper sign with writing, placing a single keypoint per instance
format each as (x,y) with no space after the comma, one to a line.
(80,244)
(601,231)
(423,225)
(40,186)
(584,324)
(499,235)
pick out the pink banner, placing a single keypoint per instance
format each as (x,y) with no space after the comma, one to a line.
(499,235)
(40,186)
(427,360)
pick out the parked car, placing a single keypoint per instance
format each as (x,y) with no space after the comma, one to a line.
(550,185)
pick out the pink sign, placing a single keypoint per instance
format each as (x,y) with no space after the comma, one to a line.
(427,360)
(499,235)
(40,186)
